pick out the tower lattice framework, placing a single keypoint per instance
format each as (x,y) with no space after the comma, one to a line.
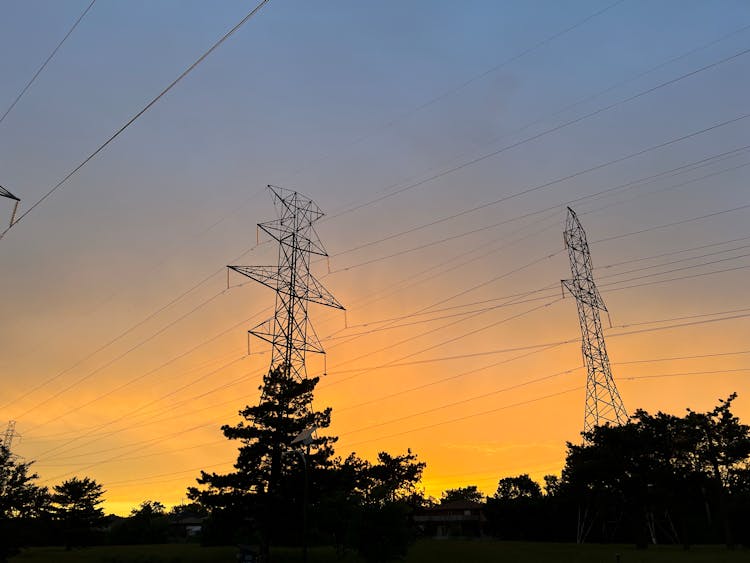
(603,401)
(290,331)
(10,434)
(5,193)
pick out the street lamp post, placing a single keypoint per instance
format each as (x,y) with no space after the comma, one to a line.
(305,438)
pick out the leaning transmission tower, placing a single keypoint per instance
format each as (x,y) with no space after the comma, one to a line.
(290,332)
(603,402)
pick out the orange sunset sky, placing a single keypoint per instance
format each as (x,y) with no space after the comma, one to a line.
(443,141)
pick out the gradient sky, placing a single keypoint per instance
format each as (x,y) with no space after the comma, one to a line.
(348,102)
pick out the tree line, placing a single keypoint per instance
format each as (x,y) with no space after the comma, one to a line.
(659,478)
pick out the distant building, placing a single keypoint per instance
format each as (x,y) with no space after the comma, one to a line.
(187,526)
(460,518)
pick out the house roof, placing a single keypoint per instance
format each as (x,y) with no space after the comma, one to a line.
(459,505)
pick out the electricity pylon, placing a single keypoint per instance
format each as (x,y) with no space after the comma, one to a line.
(290,332)
(603,402)
(10,434)
(6,193)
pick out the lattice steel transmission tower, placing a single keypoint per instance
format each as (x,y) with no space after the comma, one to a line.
(603,402)
(290,332)
(7,194)
(10,434)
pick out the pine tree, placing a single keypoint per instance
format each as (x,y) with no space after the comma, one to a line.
(76,502)
(267,484)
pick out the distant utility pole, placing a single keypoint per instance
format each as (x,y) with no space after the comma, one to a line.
(6,193)
(289,332)
(603,402)
(10,434)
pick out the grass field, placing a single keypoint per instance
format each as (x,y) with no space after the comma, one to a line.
(426,551)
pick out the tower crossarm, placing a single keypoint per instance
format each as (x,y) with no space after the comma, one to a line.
(6,193)
(586,292)
(278,279)
(288,234)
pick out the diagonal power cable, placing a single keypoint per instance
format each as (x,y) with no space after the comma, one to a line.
(46,62)
(147,107)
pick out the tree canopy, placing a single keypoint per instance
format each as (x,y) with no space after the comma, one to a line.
(669,476)
(513,488)
(19,496)
(470,493)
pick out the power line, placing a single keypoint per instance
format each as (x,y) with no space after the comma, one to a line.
(475,78)
(604,285)
(212,275)
(521,403)
(440,302)
(155,441)
(544,185)
(44,65)
(433,319)
(90,374)
(672,187)
(445,268)
(673,252)
(147,422)
(140,113)
(464,401)
(142,342)
(494,324)
(693,357)
(503,305)
(194,368)
(672,270)
(450,340)
(548,346)
(677,278)
(610,88)
(554,129)
(725,312)
(470,416)
(673,223)
(685,373)
(131,413)
(621,187)
(534,349)
(537,346)
(127,331)
(693,164)
(544,347)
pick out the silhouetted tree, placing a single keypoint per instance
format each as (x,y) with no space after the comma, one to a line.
(76,502)
(515,510)
(551,485)
(20,500)
(393,478)
(148,523)
(522,486)
(659,476)
(19,497)
(387,494)
(470,493)
(189,509)
(266,487)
